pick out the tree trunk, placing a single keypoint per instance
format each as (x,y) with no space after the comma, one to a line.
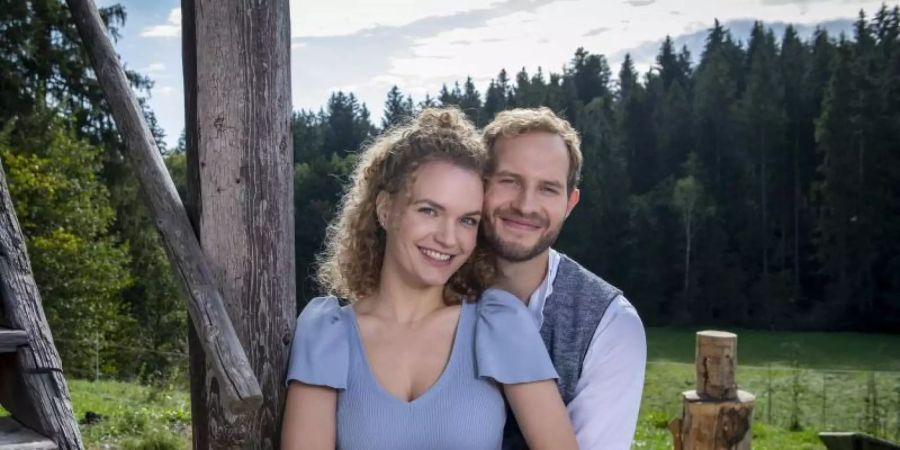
(238,102)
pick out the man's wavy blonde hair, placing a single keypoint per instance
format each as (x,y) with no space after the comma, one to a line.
(350,265)
(515,122)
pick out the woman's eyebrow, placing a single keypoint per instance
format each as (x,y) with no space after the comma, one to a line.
(430,203)
(439,207)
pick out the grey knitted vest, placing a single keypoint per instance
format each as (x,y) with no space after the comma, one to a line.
(571,315)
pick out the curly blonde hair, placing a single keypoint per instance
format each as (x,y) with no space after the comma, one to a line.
(350,265)
(519,121)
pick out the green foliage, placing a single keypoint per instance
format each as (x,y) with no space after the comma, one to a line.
(65,212)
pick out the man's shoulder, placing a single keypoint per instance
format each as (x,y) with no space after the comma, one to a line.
(574,279)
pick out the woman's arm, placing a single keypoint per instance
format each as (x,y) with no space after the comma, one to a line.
(309,418)
(541,415)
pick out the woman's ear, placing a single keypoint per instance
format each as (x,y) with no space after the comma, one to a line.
(383,209)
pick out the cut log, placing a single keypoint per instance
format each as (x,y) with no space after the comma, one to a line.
(715,416)
(32,386)
(14,436)
(716,362)
(716,424)
(10,340)
(237,384)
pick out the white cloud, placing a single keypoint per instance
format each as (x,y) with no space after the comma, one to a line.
(549,35)
(164,90)
(170,29)
(343,17)
(154,68)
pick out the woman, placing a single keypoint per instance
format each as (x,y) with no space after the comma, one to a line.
(413,362)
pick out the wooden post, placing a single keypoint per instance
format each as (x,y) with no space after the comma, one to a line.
(236,57)
(32,386)
(238,387)
(715,416)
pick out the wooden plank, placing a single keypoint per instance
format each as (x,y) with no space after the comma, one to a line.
(237,384)
(15,436)
(32,386)
(855,441)
(237,97)
(11,340)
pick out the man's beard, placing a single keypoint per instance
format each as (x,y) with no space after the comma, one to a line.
(514,252)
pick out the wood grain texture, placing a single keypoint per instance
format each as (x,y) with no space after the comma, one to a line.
(716,424)
(855,441)
(716,364)
(32,386)
(14,436)
(238,110)
(715,416)
(238,387)
(11,340)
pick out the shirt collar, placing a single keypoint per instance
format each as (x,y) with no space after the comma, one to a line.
(539,297)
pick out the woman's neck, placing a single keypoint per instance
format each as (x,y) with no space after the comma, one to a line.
(397,299)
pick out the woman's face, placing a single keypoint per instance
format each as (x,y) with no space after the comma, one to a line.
(432,225)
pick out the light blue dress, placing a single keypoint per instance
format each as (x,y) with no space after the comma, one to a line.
(496,342)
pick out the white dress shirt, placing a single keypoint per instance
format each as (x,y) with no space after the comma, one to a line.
(608,394)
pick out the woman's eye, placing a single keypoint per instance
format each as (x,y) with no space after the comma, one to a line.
(428,211)
(470,221)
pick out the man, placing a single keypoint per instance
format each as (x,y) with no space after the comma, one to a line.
(593,334)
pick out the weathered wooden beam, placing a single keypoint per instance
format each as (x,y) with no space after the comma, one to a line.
(11,340)
(855,441)
(236,62)
(14,436)
(237,384)
(32,386)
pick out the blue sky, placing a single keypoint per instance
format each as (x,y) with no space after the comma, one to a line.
(366,46)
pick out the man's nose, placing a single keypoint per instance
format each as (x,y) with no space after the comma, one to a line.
(526,201)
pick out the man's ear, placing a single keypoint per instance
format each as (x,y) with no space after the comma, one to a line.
(383,209)
(574,196)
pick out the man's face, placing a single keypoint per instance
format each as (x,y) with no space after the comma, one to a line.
(526,200)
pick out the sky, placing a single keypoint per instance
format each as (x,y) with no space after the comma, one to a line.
(367,46)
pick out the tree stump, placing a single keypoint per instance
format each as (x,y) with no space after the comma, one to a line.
(715,416)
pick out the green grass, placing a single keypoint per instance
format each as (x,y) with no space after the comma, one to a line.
(134,416)
(832,351)
(805,382)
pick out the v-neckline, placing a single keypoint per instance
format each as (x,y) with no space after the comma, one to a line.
(361,348)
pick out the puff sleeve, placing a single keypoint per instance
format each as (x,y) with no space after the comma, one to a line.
(508,346)
(320,352)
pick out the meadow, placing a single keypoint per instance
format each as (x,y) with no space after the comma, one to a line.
(804,383)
